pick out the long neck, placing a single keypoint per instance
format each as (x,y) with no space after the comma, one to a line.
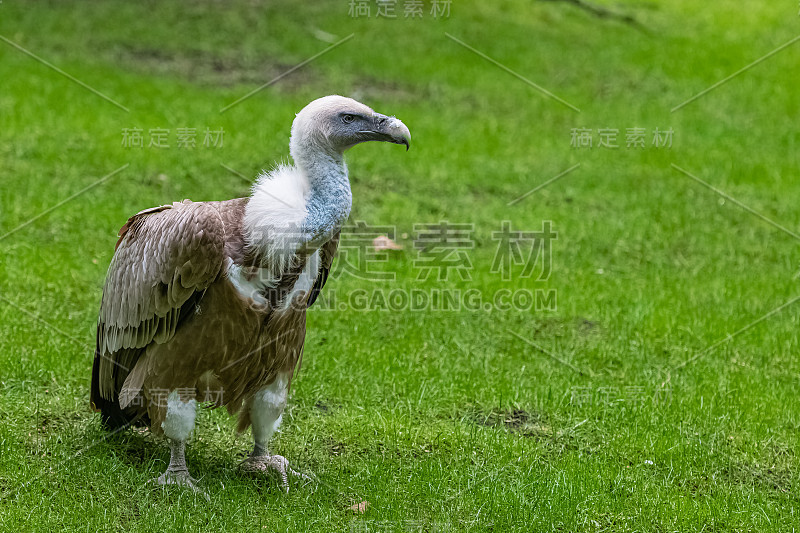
(329,197)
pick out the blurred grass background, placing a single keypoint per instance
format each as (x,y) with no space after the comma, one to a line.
(444,419)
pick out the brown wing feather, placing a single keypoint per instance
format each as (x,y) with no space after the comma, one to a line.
(164,259)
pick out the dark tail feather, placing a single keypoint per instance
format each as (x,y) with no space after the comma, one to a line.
(111,414)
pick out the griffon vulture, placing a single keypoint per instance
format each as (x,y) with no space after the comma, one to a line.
(206,301)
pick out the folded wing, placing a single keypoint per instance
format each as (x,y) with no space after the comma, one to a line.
(165,258)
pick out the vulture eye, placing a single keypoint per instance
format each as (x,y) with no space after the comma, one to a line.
(347,119)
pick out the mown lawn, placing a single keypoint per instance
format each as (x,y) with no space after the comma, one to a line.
(657,392)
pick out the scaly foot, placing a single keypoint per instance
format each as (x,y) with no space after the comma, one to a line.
(181,478)
(274,465)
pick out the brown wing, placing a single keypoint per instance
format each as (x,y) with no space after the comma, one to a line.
(327,253)
(165,258)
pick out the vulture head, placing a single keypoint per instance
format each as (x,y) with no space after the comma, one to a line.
(334,124)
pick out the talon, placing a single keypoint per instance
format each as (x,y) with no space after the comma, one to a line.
(273,465)
(182,479)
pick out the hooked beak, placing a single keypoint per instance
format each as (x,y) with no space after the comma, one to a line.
(388,129)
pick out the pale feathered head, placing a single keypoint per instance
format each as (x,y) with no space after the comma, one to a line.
(335,123)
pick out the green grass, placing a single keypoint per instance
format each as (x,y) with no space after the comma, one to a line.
(439,419)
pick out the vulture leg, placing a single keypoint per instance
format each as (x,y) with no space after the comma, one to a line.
(265,414)
(178,425)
